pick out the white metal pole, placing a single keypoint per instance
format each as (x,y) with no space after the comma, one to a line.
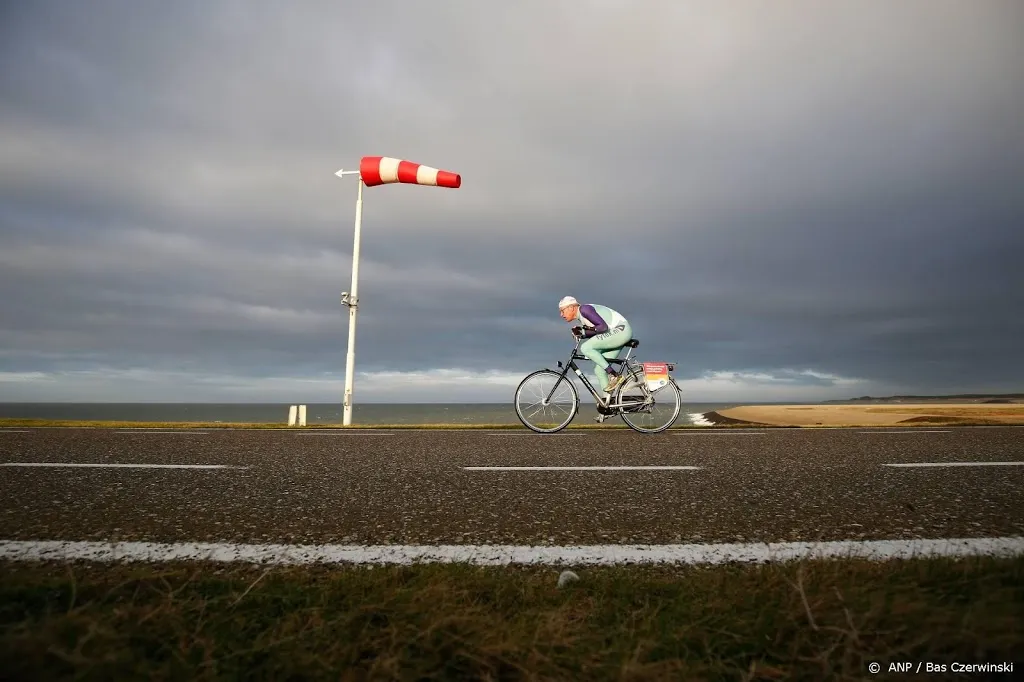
(353,305)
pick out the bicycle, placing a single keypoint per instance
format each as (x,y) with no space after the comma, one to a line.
(645,378)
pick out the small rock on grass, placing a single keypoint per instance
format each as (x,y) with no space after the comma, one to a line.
(567,577)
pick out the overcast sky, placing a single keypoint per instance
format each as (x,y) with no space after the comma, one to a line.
(793,200)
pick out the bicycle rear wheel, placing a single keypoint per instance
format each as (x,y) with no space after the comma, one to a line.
(659,413)
(542,415)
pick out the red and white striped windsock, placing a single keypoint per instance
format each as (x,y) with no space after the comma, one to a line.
(381,170)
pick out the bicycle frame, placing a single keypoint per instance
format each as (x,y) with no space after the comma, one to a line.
(576,355)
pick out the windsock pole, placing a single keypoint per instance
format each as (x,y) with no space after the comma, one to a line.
(349,298)
(353,309)
(373,171)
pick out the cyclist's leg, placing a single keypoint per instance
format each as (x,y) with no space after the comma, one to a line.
(596,347)
(613,353)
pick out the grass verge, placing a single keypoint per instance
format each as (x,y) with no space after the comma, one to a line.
(811,620)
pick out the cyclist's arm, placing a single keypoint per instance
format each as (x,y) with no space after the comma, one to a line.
(600,326)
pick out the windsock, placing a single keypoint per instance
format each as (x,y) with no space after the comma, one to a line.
(380,170)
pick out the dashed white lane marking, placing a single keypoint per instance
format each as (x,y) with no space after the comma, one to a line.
(954,464)
(581,468)
(162,433)
(719,433)
(518,433)
(902,432)
(339,433)
(89,465)
(501,555)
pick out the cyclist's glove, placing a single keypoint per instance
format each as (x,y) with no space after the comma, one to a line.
(577,332)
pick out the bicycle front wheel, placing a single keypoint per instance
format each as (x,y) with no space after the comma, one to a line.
(539,413)
(655,410)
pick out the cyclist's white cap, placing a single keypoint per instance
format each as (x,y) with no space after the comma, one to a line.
(566,302)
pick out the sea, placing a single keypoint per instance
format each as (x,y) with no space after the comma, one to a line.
(322,413)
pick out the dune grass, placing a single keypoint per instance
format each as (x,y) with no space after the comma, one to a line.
(811,620)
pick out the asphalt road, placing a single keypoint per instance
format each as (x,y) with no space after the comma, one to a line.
(412,487)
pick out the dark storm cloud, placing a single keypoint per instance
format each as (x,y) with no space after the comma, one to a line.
(808,195)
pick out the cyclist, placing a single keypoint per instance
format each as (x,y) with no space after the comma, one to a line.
(606,332)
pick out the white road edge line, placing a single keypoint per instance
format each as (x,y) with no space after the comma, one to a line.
(581,468)
(120,466)
(954,464)
(501,555)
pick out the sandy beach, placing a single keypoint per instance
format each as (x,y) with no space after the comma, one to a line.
(904,414)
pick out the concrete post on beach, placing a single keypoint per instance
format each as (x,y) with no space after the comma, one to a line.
(302,415)
(291,415)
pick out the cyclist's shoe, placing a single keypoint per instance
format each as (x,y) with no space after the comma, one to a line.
(615,381)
